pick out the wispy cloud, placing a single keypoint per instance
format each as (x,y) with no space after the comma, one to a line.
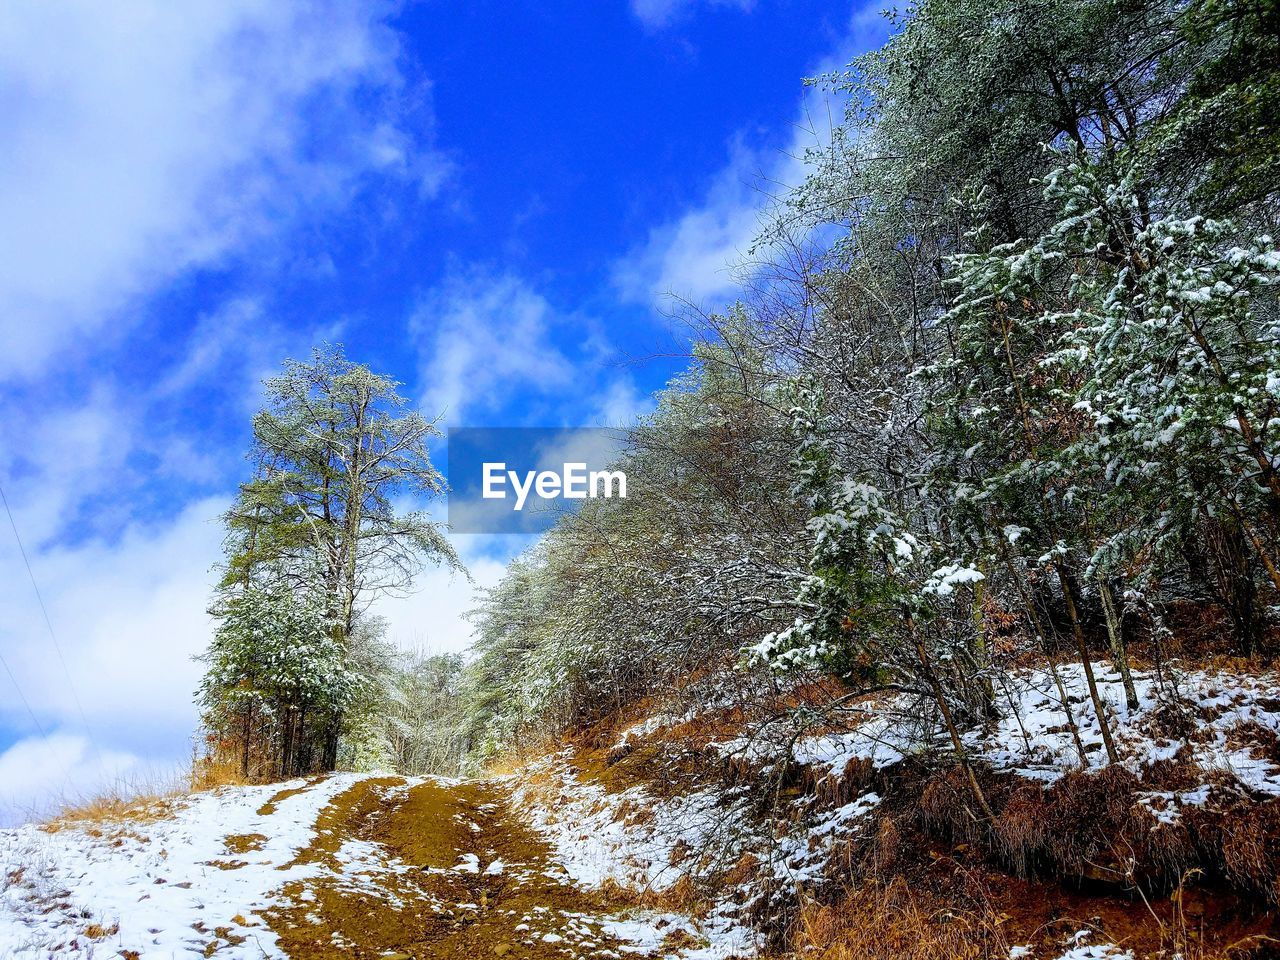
(37,774)
(703,254)
(145,138)
(129,618)
(146,141)
(431,618)
(657,14)
(484,339)
(620,402)
(697,256)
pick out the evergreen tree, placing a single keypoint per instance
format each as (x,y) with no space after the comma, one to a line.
(336,452)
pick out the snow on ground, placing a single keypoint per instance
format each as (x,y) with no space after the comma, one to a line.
(1032,739)
(1102,951)
(203,867)
(628,837)
(1077,951)
(803,854)
(159,883)
(640,842)
(1223,711)
(721,936)
(198,871)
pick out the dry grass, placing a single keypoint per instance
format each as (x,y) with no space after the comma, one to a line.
(1084,850)
(1092,826)
(1240,843)
(124,803)
(888,921)
(142,799)
(210,773)
(953,911)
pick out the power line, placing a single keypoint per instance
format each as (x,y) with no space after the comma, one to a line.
(52,636)
(23,697)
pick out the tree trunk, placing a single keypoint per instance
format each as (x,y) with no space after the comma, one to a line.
(302,746)
(1066,709)
(1115,631)
(1043,637)
(939,694)
(332,735)
(981,655)
(286,746)
(246,735)
(1098,706)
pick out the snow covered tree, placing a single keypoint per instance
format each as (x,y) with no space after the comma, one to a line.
(874,592)
(275,674)
(423,716)
(1175,332)
(337,453)
(993,388)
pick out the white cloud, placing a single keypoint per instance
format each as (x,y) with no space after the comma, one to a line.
(483,339)
(656,14)
(66,454)
(696,256)
(431,618)
(235,327)
(620,402)
(130,619)
(40,774)
(129,615)
(144,138)
(703,254)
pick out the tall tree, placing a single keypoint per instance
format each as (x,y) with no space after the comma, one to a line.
(337,452)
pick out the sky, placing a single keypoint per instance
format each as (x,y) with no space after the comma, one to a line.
(492,202)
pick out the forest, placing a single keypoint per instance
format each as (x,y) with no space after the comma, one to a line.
(1002,383)
(1000,393)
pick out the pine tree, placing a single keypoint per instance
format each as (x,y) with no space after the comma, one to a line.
(336,452)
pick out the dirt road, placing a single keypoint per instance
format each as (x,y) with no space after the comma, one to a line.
(356,866)
(439,870)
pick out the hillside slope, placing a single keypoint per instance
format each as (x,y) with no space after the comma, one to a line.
(344,865)
(707,826)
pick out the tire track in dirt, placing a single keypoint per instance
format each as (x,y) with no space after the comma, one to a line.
(436,869)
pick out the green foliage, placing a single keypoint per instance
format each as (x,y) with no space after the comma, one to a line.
(424,715)
(1223,137)
(1017,359)
(320,525)
(274,669)
(628,595)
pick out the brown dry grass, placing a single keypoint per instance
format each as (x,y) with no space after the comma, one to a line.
(888,921)
(244,842)
(117,808)
(949,910)
(143,801)
(1084,847)
(210,773)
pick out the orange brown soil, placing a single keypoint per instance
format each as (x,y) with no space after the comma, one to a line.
(935,898)
(244,842)
(431,887)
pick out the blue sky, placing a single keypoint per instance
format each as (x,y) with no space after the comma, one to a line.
(487,201)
